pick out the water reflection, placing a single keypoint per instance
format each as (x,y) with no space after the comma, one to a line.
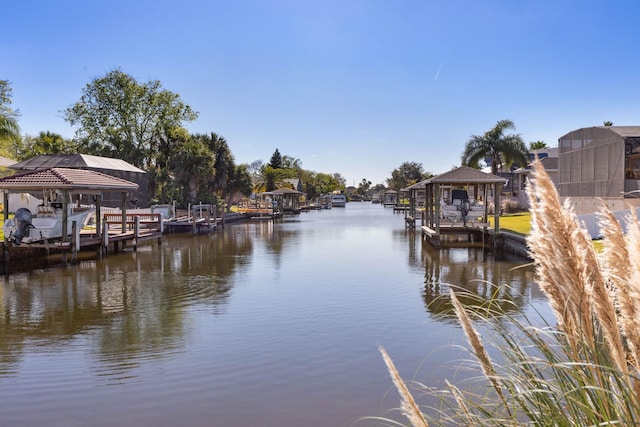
(199,327)
(477,277)
(130,307)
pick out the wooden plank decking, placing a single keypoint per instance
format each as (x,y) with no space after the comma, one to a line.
(455,232)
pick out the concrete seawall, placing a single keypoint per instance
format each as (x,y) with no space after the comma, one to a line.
(512,243)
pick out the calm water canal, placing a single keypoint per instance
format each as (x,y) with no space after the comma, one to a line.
(258,324)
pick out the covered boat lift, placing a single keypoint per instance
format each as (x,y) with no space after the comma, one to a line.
(432,190)
(67,183)
(287,199)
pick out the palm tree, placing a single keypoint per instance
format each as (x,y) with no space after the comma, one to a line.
(269,179)
(537,145)
(9,129)
(494,145)
(192,166)
(239,182)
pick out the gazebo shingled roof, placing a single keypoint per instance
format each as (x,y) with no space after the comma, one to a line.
(459,175)
(71,181)
(284,190)
(465,175)
(74,180)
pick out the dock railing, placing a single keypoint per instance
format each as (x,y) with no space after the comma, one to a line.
(134,221)
(140,225)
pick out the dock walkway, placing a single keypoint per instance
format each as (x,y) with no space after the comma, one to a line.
(116,233)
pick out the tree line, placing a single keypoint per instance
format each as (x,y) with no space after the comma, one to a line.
(144,124)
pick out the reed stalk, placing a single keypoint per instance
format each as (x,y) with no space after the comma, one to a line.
(580,370)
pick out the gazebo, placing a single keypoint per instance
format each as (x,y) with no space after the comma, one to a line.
(288,199)
(480,185)
(390,197)
(60,184)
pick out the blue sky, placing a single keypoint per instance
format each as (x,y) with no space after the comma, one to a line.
(355,87)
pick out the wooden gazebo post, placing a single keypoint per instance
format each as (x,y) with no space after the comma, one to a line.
(496,209)
(123,207)
(5,214)
(5,208)
(436,192)
(65,215)
(99,216)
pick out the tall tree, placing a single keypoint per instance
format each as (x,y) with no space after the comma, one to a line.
(224,163)
(255,166)
(193,172)
(239,182)
(342,181)
(162,186)
(328,183)
(45,143)
(363,187)
(276,160)
(289,162)
(406,174)
(9,129)
(496,148)
(119,117)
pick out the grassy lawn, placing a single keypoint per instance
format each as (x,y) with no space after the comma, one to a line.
(521,223)
(518,222)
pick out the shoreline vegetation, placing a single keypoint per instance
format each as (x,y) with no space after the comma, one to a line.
(579,368)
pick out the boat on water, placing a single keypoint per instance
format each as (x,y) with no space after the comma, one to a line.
(338,201)
(24,227)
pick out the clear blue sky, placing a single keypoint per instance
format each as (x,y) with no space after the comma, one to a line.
(349,86)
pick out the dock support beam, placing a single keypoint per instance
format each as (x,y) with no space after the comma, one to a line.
(5,246)
(75,241)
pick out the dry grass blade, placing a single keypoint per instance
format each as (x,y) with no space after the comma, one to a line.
(560,249)
(408,405)
(462,404)
(602,301)
(617,271)
(478,347)
(629,291)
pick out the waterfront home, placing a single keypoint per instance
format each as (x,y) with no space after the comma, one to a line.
(600,163)
(517,183)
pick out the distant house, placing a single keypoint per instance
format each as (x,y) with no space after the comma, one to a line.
(600,163)
(295,183)
(517,181)
(114,167)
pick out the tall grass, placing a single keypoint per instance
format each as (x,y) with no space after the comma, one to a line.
(582,369)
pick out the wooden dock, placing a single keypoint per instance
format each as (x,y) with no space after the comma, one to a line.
(456,233)
(476,234)
(188,224)
(260,212)
(116,233)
